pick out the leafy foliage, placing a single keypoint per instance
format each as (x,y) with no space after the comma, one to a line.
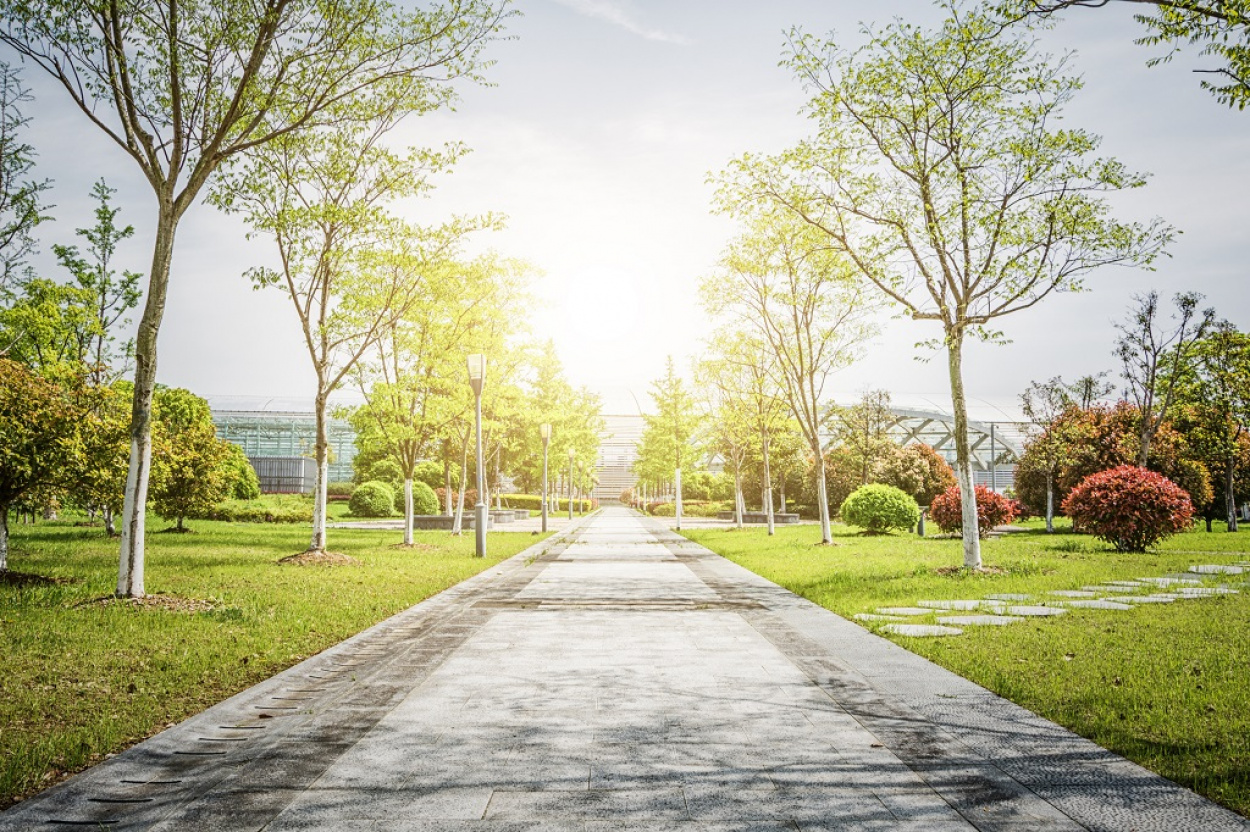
(424,501)
(1131,508)
(993,509)
(244,484)
(877,508)
(373,499)
(191,468)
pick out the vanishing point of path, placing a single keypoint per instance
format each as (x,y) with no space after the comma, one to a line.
(622,679)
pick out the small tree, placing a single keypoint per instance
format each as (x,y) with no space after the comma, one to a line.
(668,439)
(1131,508)
(191,470)
(1043,404)
(99,479)
(39,427)
(941,169)
(20,208)
(877,508)
(993,509)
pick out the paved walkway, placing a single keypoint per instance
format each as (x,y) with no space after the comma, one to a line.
(624,679)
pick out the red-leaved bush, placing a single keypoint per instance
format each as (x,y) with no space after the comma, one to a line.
(1129,507)
(993,509)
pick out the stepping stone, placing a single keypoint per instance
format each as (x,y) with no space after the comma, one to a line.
(1074,593)
(1035,611)
(1105,588)
(1142,599)
(1201,591)
(1217,569)
(1088,604)
(1009,596)
(977,620)
(904,610)
(1126,583)
(1171,581)
(921,630)
(956,605)
(867,616)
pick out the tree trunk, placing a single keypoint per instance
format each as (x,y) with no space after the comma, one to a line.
(1050,502)
(822,499)
(677,497)
(4,537)
(448,494)
(782,494)
(737,498)
(134,510)
(408,511)
(963,455)
(457,525)
(321,453)
(180,525)
(109,528)
(768,487)
(1230,498)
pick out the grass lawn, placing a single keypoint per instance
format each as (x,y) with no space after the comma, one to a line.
(1166,685)
(81,682)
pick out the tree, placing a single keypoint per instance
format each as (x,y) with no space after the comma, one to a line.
(941,172)
(1222,27)
(39,426)
(918,470)
(351,269)
(192,470)
(1043,404)
(1154,359)
(99,478)
(729,415)
(183,90)
(111,295)
(20,208)
(780,280)
(863,429)
(668,438)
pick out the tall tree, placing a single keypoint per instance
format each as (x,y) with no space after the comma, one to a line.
(1220,27)
(1043,403)
(939,167)
(728,416)
(1155,358)
(668,439)
(182,87)
(863,429)
(351,269)
(191,467)
(780,280)
(20,194)
(1220,392)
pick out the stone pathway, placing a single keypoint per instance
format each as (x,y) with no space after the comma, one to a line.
(620,678)
(996,609)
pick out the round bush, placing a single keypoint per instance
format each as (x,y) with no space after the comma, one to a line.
(993,509)
(372,499)
(424,500)
(877,508)
(1129,507)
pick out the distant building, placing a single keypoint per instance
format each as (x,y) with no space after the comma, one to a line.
(618,448)
(266,434)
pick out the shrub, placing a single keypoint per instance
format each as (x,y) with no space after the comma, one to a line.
(339,489)
(271,508)
(878,508)
(385,471)
(372,499)
(1129,507)
(993,509)
(244,484)
(424,500)
(689,508)
(428,472)
(470,497)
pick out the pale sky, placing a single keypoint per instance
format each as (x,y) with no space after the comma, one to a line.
(606,118)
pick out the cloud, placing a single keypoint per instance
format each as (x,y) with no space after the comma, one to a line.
(610,12)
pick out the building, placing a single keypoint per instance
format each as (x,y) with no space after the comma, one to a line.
(290,434)
(618,448)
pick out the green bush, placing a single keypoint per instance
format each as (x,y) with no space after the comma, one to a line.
(431,473)
(271,508)
(385,471)
(244,484)
(372,499)
(689,508)
(339,489)
(878,507)
(424,500)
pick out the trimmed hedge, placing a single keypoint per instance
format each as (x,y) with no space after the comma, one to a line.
(534,502)
(372,499)
(340,489)
(993,509)
(1129,507)
(689,508)
(272,508)
(878,507)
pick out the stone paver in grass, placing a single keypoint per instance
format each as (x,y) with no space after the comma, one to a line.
(960,604)
(868,616)
(1073,593)
(978,620)
(1009,596)
(904,610)
(619,677)
(1173,580)
(1035,611)
(1095,604)
(1142,599)
(1216,569)
(1202,591)
(922,630)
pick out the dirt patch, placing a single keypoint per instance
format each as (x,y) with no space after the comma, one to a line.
(959,570)
(176,530)
(11,578)
(320,558)
(168,603)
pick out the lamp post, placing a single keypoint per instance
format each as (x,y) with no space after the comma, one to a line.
(477,379)
(544,430)
(572,453)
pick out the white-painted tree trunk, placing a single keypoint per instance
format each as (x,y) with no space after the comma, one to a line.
(408,511)
(677,498)
(321,453)
(822,499)
(130,568)
(457,525)
(738,501)
(448,495)
(1050,501)
(963,453)
(768,487)
(4,538)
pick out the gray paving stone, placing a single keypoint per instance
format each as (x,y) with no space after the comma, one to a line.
(922,630)
(1217,569)
(1033,611)
(868,616)
(977,620)
(1073,593)
(1009,596)
(1141,599)
(1096,604)
(622,678)
(968,604)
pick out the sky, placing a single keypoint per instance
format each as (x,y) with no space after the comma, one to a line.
(596,137)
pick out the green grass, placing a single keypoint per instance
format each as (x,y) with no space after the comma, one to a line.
(1165,685)
(81,682)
